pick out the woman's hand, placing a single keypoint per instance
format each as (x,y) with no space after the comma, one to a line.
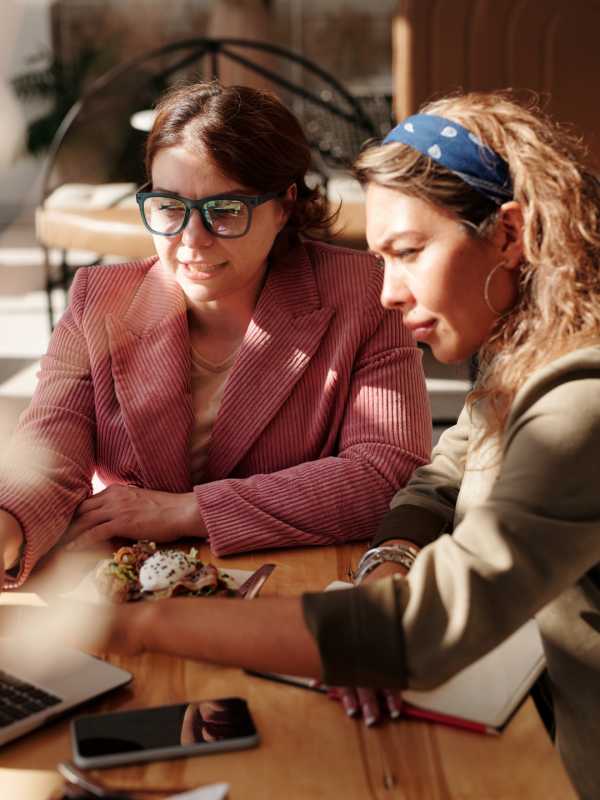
(367,700)
(11,539)
(135,513)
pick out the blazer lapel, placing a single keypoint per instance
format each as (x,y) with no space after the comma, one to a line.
(284,334)
(150,356)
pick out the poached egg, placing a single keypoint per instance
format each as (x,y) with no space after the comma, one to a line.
(165,568)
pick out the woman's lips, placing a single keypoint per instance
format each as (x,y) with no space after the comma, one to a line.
(201,272)
(421,330)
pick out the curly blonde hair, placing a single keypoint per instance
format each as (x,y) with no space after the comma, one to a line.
(559,289)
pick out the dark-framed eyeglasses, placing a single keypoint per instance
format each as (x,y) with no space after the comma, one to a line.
(227,216)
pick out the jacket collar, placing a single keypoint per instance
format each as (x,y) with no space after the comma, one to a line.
(284,334)
(150,354)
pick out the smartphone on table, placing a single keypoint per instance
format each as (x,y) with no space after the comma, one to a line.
(162,732)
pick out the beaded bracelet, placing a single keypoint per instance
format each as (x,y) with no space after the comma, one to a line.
(401,554)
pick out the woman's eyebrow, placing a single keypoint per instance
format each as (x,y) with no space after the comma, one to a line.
(237,192)
(395,236)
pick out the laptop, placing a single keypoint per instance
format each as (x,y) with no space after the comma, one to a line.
(40,681)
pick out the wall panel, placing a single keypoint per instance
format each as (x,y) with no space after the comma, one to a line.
(551,47)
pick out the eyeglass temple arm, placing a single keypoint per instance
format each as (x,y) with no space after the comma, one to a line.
(264,198)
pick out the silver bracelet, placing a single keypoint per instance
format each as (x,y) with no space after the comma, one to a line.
(401,554)
(384,549)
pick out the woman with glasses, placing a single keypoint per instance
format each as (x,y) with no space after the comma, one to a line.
(245,384)
(485,215)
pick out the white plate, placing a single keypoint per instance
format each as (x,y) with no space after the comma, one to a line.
(88,592)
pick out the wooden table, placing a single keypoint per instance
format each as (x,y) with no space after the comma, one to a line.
(309,748)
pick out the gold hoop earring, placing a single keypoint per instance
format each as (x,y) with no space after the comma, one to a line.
(486,290)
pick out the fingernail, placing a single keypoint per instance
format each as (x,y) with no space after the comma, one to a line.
(349,705)
(70,546)
(370,713)
(394,707)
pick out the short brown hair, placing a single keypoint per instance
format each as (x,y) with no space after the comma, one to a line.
(254,139)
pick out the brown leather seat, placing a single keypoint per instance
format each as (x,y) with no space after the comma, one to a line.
(103,219)
(114,231)
(545,46)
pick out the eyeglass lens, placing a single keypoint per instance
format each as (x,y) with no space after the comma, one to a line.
(224,217)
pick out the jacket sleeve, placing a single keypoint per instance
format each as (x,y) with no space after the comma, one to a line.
(384,435)
(426,506)
(48,467)
(536,534)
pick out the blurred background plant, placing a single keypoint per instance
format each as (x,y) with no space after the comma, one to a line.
(56,83)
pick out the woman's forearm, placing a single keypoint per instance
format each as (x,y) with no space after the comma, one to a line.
(11,538)
(268,634)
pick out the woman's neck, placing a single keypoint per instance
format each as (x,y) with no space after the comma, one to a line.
(217,329)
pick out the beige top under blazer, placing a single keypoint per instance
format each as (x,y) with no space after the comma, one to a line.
(521,538)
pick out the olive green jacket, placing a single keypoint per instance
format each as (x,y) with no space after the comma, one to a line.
(515,533)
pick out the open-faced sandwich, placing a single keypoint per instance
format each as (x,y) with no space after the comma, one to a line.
(141,572)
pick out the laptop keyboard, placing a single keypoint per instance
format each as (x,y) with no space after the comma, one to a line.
(19,699)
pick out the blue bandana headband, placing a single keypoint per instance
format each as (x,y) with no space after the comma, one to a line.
(459,150)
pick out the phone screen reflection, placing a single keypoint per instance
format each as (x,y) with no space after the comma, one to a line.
(204,721)
(216,720)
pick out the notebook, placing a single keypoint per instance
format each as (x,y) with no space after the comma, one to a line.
(487,692)
(40,681)
(491,689)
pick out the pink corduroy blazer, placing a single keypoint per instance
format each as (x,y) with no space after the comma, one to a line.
(324,417)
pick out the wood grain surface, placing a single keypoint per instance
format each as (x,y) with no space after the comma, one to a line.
(309,748)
